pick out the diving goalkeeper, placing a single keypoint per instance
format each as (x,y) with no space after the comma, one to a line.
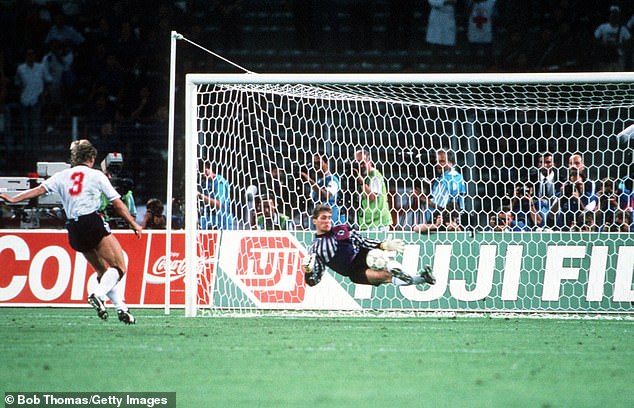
(348,253)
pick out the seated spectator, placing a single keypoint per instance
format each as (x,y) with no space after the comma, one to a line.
(154,217)
(417,206)
(574,199)
(588,222)
(547,179)
(445,220)
(619,221)
(283,189)
(615,206)
(268,218)
(610,196)
(504,221)
(576,162)
(527,207)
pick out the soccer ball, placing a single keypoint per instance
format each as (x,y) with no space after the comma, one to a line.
(376,259)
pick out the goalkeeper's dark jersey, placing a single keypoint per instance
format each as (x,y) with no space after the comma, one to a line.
(338,250)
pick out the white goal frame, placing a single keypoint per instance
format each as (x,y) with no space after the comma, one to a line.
(191,135)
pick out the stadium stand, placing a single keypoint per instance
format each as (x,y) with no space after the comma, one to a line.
(116,86)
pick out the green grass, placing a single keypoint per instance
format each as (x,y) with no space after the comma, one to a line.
(323,361)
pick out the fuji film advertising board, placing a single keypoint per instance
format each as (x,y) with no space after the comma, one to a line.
(490,272)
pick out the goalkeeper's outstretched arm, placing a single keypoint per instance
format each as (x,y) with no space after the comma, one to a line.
(309,264)
(313,268)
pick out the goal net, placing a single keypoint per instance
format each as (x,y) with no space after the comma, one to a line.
(537,220)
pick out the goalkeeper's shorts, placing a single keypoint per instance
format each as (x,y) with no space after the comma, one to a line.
(356,271)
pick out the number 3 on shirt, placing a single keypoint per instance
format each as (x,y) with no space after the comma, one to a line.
(78,179)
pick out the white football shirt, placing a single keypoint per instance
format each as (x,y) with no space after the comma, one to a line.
(80,188)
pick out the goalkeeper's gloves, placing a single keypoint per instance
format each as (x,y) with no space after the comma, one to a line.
(308,264)
(393,244)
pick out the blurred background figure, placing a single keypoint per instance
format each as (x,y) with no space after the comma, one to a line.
(441,27)
(33,80)
(154,217)
(268,218)
(612,41)
(325,188)
(214,192)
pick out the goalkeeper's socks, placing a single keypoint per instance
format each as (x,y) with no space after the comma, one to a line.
(418,280)
(108,280)
(398,282)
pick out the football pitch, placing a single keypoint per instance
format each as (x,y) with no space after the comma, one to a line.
(367,361)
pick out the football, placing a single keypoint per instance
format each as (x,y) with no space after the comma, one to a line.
(377,259)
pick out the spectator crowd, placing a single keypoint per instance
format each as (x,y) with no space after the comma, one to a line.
(548,198)
(106,63)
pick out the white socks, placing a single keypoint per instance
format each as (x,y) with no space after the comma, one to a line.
(108,287)
(107,282)
(115,297)
(398,282)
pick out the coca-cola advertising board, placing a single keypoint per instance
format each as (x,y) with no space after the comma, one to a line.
(39,268)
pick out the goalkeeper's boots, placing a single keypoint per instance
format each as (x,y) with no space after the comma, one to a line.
(399,273)
(427,275)
(98,305)
(126,317)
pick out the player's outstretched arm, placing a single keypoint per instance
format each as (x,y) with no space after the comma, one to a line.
(122,211)
(308,263)
(25,195)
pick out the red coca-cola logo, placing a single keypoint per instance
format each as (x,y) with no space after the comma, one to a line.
(158,271)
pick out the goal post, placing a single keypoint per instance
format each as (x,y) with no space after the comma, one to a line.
(260,132)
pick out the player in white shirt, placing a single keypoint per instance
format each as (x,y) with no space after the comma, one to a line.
(80,188)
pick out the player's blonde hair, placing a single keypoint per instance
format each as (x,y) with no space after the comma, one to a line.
(81,151)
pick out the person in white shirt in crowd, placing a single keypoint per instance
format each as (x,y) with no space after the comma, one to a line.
(32,79)
(480,29)
(612,40)
(441,25)
(576,162)
(547,180)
